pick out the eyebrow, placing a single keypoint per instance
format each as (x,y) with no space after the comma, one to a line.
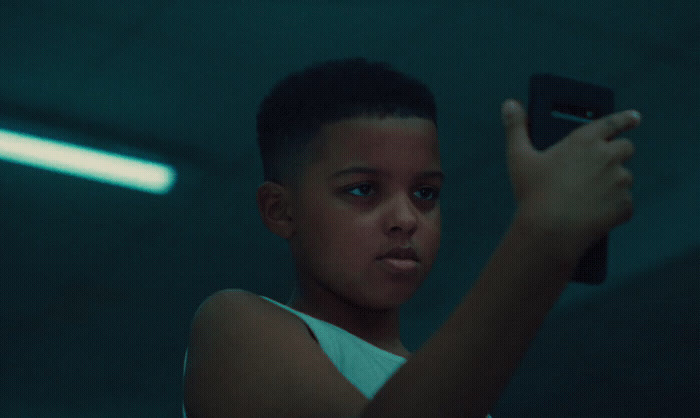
(374,171)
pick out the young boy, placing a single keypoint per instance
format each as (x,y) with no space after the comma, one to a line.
(352,182)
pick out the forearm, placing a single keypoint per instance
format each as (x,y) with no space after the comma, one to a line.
(463,368)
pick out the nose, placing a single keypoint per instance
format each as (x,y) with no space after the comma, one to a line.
(401,216)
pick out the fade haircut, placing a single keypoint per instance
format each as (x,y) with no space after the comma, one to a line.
(297,107)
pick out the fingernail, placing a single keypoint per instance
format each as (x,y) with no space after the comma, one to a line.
(636,115)
(509,107)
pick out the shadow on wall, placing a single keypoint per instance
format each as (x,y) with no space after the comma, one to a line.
(631,350)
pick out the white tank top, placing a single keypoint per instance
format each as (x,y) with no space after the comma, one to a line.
(366,366)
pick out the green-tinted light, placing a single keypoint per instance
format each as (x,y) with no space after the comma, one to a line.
(88,163)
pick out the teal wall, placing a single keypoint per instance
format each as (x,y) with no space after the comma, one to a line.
(99,284)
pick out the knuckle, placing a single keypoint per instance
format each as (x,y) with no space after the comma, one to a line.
(609,153)
(612,122)
(620,150)
(626,208)
(625,178)
(627,148)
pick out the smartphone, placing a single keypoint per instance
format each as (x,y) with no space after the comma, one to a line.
(558,105)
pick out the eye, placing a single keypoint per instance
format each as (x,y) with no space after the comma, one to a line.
(361,190)
(427,193)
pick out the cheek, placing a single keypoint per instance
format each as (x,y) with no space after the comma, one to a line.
(351,237)
(431,238)
(334,233)
(346,241)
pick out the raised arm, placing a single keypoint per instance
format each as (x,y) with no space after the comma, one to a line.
(568,197)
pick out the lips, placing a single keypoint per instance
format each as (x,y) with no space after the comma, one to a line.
(400,260)
(402,254)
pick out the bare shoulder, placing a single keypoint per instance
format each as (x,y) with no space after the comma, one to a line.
(249,357)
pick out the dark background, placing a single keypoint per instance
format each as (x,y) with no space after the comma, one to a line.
(99,283)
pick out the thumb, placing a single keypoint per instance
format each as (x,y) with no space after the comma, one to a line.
(515,124)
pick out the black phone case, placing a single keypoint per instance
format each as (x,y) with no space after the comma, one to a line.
(558,105)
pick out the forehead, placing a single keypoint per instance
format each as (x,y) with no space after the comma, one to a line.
(380,143)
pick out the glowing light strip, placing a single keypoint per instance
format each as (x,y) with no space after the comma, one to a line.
(88,163)
(572,118)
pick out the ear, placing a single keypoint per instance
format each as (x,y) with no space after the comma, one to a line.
(273,205)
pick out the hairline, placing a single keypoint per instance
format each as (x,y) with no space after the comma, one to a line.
(312,152)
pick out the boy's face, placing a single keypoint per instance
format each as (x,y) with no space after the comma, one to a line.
(372,188)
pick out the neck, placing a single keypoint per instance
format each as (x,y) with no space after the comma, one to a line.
(379,327)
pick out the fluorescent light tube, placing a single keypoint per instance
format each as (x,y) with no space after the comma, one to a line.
(85,162)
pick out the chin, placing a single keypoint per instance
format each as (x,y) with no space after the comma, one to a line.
(390,297)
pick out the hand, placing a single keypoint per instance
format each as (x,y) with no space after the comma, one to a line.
(575,191)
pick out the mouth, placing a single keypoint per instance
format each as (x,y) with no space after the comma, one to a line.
(400,260)
(398,265)
(402,253)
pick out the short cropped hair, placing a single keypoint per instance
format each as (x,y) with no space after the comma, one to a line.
(297,107)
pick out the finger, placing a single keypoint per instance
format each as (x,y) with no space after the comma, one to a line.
(625,207)
(622,149)
(626,179)
(612,125)
(515,124)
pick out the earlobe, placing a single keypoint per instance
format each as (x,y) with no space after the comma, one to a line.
(273,206)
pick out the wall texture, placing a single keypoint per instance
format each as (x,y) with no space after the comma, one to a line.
(99,284)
